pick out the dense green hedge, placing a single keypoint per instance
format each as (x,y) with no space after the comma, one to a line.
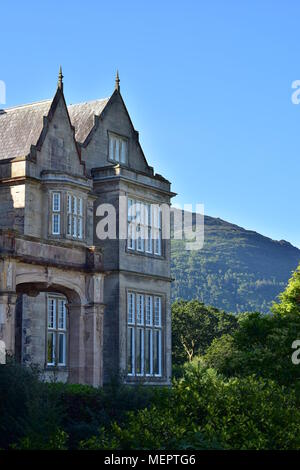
(41,415)
(203,410)
(207,411)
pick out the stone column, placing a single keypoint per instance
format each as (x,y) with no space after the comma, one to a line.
(8,300)
(76,343)
(7,321)
(93,341)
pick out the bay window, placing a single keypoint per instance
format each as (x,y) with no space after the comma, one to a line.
(67,215)
(144,222)
(74,216)
(144,335)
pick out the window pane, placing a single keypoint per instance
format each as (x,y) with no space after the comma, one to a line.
(140,351)
(56,224)
(148,352)
(131,242)
(69,203)
(140,309)
(79,227)
(117,151)
(148,228)
(79,206)
(157,241)
(61,349)
(51,349)
(131,297)
(74,226)
(131,224)
(140,239)
(62,314)
(51,313)
(149,310)
(123,151)
(130,351)
(69,223)
(56,202)
(157,311)
(157,352)
(111,148)
(149,240)
(74,205)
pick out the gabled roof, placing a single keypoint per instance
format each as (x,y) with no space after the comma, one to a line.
(21,126)
(82,116)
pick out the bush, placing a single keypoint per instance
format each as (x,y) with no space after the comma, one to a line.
(194,326)
(86,409)
(262,345)
(206,411)
(241,413)
(29,415)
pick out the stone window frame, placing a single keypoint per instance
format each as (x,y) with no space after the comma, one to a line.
(135,326)
(79,215)
(144,251)
(63,213)
(57,331)
(122,138)
(56,212)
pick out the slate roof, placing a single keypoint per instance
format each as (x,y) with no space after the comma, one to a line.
(82,116)
(21,126)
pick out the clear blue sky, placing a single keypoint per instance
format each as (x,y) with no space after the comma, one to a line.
(207,83)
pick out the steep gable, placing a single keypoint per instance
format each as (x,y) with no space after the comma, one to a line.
(113,118)
(56,148)
(68,138)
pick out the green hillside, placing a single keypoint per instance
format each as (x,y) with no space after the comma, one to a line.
(237,270)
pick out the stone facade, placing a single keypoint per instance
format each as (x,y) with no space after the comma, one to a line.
(64,292)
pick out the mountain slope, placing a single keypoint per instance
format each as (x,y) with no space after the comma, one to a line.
(237,269)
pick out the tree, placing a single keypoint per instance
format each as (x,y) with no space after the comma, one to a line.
(289,300)
(262,344)
(205,411)
(195,326)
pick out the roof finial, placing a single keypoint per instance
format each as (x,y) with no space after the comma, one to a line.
(60,79)
(117,86)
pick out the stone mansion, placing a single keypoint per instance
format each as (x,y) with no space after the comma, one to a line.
(84,308)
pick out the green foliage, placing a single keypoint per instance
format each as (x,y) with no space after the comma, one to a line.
(242,413)
(206,411)
(290,298)
(262,344)
(39,415)
(248,400)
(194,326)
(27,409)
(56,441)
(237,270)
(86,409)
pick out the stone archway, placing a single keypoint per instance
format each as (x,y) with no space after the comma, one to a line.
(84,293)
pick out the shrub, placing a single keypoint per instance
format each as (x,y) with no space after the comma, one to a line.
(27,409)
(261,346)
(206,411)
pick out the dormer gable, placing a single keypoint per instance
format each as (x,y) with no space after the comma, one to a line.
(112,139)
(56,148)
